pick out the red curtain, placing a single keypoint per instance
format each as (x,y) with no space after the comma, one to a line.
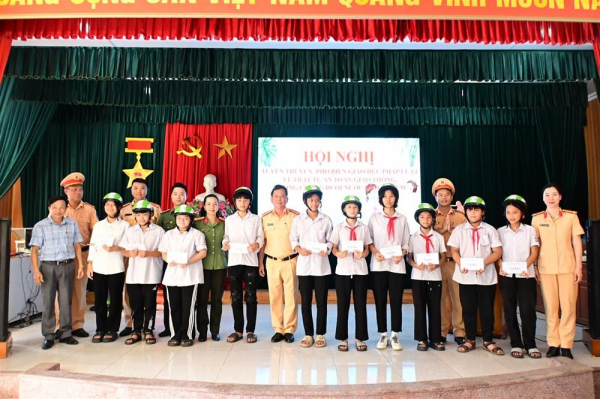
(5,45)
(305,30)
(231,172)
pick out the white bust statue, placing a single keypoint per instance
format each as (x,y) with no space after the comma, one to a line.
(210,182)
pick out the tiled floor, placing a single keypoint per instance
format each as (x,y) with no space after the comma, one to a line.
(267,363)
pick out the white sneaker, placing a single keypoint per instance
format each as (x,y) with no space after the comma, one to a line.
(396,345)
(383,342)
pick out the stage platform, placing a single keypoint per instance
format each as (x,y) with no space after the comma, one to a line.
(264,369)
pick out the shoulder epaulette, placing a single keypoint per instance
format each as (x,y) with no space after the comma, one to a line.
(567,211)
(167,210)
(198,218)
(266,213)
(221,218)
(87,203)
(457,211)
(539,213)
(124,205)
(295,212)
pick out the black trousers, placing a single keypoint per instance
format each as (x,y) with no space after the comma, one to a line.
(165,301)
(382,283)
(472,298)
(237,274)
(427,298)
(344,287)
(142,299)
(214,285)
(306,285)
(182,301)
(524,292)
(108,318)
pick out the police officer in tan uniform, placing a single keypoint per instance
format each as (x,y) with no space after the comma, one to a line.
(85,216)
(281,266)
(559,269)
(446,220)
(139,190)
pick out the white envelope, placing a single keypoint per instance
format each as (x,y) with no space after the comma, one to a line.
(388,252)
(238,247)
(352,246)
(177,257)
(101,241)
(428,259)
(316,247)
(514,267)
(471,263)
(130,247)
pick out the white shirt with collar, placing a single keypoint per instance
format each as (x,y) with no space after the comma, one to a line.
(246,230)
(462,238)
(418,245)
(144,270)
(190,242)
(105,262)
(516,245)
(350,265)
(378,227)
(305,230)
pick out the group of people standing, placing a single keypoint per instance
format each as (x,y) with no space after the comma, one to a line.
(453,257)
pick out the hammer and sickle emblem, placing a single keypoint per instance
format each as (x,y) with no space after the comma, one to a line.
(195,151)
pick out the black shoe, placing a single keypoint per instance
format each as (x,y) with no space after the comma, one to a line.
(459,340)
(278,337)
(553,351)
(165,333)
(443,340)
(47,344)
(289,338)
(68,341)
(80,332)
(126,332)
(202,337)
(566,353)
(92,309)
(216,337)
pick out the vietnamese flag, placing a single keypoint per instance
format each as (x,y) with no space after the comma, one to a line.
(139,145)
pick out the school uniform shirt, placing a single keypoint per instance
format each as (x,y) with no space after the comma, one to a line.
(305,230)
(516,246)
(144,270)
(382,238)
(190,242)
(351,265)
(244,230)
(475,244)
(418,245)
(107,262)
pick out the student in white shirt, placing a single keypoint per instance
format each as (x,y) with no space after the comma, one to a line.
(243,227)
(519,244)
(352,274)
(144,272)
(427,279)
(388,229)
(476,239)
(312,229)
(105,266)
(183,276)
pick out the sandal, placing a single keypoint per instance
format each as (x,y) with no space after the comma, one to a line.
(534,353)
(468,346)
(135,337)
(187,343)
(150,340)
(437,346)
(343,347)
(422,346)
(517,353)
(361,346)
(496,350)
(320,342)
(97,338)
(234,337)
(110,337)
(174,342)
(307,341)
(251,338)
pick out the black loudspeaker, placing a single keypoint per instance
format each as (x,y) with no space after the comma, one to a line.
(4,276)
(593,262)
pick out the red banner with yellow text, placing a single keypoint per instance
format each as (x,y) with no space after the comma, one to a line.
(532,10)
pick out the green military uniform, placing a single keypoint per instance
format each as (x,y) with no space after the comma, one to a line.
(166,220)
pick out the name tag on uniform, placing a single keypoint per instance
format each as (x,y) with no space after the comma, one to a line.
(352,246)
(388,252)
(544,225)
(471,263)
(514,267)
(428,259)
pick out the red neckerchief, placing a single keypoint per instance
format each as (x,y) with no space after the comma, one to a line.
(352,234)
(475,239)
(391,229)
(428,242)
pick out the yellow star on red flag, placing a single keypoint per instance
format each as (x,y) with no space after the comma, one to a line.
(225,147)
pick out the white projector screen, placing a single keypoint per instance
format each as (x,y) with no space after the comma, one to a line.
(341,167)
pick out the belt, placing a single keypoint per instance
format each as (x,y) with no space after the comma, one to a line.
(85,249)
(292,256)
(58,262)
